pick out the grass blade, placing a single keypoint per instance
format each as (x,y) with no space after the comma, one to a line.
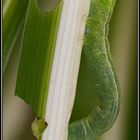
(36,56)
(13,17)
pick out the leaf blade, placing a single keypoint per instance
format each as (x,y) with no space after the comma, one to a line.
(39,38)
(13,18)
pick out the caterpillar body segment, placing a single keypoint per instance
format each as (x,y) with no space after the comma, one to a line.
(98,60)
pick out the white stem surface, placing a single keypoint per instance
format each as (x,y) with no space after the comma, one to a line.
(62,88)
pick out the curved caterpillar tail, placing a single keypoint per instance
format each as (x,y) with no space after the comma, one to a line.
(99,64)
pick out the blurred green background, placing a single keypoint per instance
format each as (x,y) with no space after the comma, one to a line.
(18,116)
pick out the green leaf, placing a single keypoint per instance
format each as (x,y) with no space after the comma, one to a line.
(37,52)
(13,18)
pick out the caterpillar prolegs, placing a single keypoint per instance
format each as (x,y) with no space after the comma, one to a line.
(98,60)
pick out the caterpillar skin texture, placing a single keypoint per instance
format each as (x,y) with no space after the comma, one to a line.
(99,63)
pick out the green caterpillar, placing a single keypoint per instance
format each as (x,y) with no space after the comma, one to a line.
(98,60)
